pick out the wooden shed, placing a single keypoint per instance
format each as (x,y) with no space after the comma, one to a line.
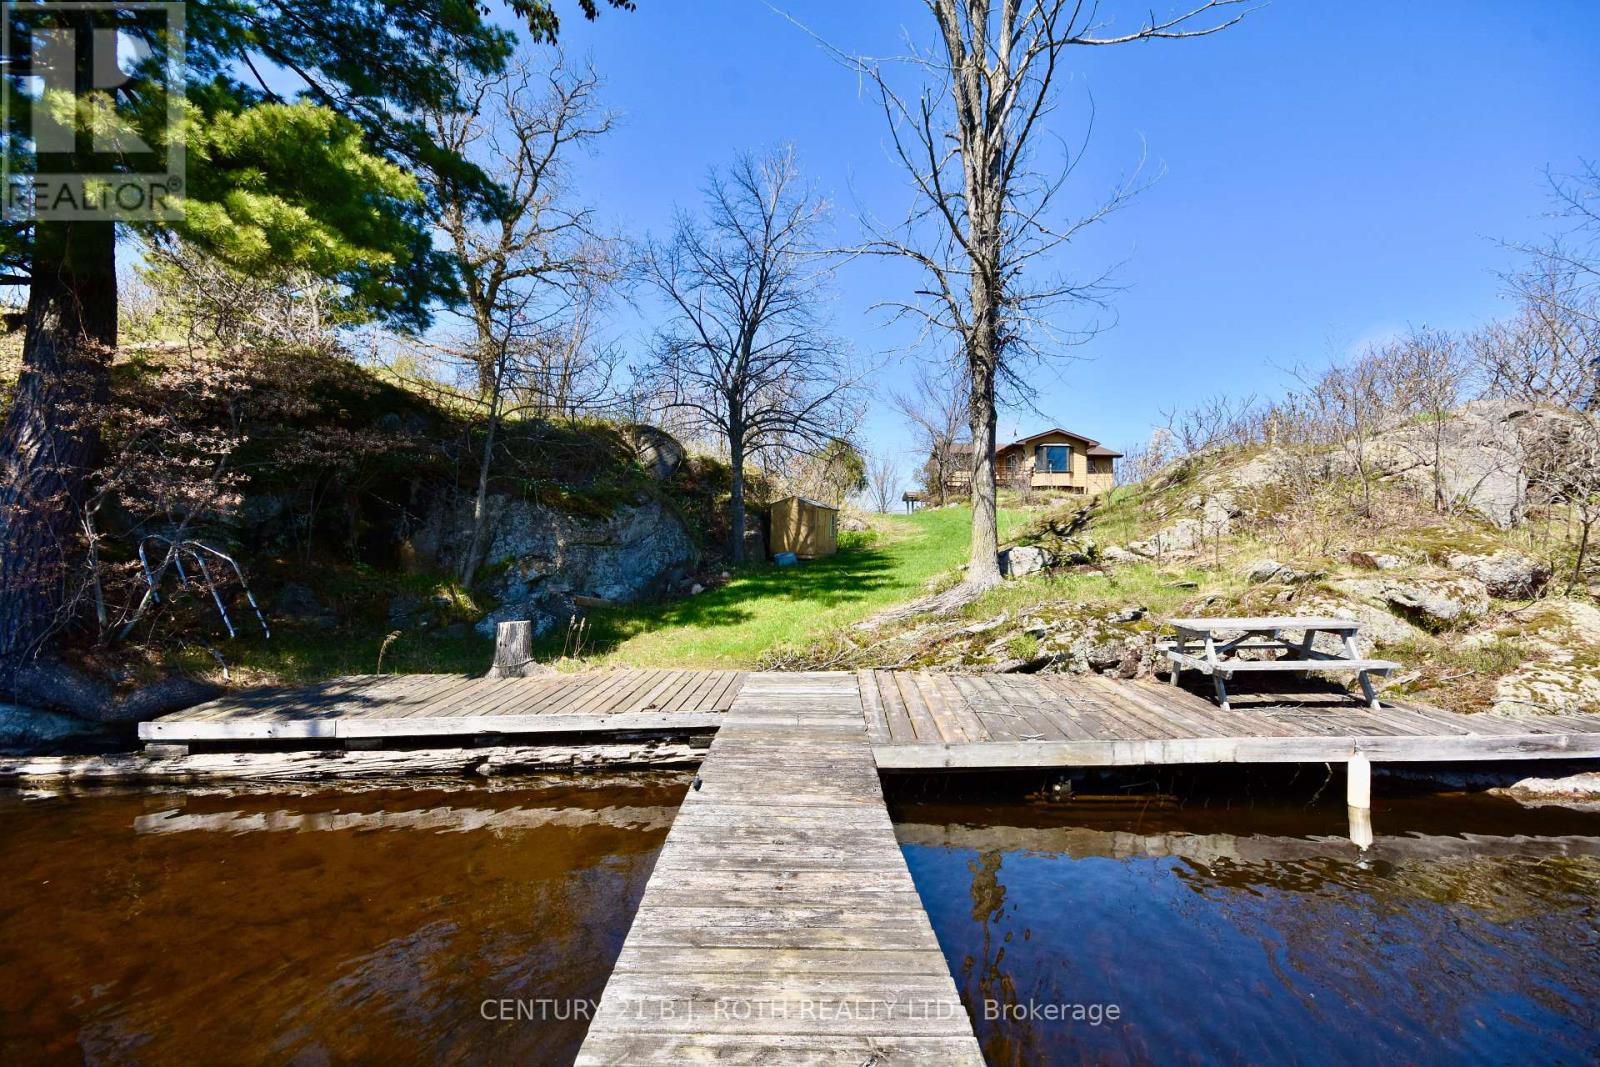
(808,528)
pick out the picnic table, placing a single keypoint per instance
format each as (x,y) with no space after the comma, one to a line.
(1201,644)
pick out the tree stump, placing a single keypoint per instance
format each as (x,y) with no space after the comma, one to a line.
(513,649)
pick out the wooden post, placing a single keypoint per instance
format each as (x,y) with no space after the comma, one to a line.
(1358,799)
(513,649)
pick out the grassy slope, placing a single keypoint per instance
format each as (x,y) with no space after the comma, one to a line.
(1458,668)
(764,606)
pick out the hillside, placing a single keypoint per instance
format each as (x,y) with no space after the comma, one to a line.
(1471,597)
(345,495)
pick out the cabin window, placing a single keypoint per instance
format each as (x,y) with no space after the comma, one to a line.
(1054,459)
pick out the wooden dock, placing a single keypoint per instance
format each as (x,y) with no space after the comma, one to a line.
(452,705)
(915,720)
(927,721)
(780,923)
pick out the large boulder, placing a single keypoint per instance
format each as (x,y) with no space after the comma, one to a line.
(1561,684)
(1182,538)
(1379,625)
(1263,571)
(1023,560)
(656,450)
(1434,601)
(1508,574)
(1268,468)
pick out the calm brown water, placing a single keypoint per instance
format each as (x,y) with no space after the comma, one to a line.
(1469,934)
(318,928)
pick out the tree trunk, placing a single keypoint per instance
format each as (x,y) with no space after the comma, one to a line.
(51,440)
(1583,552)
(736,497)
(983,566)
(983,361)
(480,500)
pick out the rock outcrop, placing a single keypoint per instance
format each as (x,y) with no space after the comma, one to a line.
(57,686)
(1432,600)
(539,557)
(26,730)
(1508,575)
(1263,571)
(1562,675)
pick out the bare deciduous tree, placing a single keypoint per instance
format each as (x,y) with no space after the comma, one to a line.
(973,137)
(1216,420)
(1548,352)
(936,408)
(883,478)
(1565,461)
(745,353)
(522,126)
(1426,378)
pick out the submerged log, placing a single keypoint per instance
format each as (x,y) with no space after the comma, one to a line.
(340,764)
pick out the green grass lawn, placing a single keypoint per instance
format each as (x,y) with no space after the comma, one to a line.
(764,606)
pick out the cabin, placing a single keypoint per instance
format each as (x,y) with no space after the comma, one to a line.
(1057,460)
(808,528)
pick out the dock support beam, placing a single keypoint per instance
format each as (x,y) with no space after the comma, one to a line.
(1358,799)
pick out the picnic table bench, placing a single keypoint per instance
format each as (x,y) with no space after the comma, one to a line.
(1200,646)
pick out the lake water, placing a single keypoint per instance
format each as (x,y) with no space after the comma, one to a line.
(322,927)
(1254,932)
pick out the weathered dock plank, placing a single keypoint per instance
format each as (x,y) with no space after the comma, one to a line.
(780,923)
(1092,721)
(448,705)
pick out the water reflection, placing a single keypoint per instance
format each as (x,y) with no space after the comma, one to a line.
(318,928)
(1263,935)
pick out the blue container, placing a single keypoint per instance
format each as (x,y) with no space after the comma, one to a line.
(785,559)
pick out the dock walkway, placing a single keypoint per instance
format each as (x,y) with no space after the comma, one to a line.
(452,705)
(915,720)
(781,923)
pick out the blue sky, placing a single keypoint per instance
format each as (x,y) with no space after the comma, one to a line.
(1333,171)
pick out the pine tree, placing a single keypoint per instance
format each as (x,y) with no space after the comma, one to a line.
(301,128)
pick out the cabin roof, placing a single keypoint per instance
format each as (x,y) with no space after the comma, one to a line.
(1052,432)
(1095,448)
(808,500)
